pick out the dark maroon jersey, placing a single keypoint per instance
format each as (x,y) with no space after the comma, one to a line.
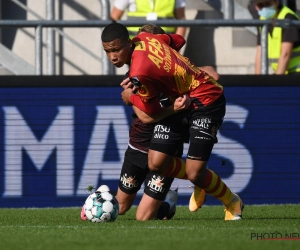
(140,134)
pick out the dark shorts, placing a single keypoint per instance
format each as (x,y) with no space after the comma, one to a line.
(135,171)
(203,125)
(170,134)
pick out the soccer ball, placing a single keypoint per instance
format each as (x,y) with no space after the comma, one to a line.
(101,207)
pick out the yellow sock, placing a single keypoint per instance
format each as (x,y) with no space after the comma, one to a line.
(214,186)
(177,169)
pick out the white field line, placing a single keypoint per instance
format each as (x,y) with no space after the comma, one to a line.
(126,227)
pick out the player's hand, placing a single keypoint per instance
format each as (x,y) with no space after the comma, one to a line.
(126,83)
(126,93)
(182,102)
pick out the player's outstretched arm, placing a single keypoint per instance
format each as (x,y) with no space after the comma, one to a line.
(181,103)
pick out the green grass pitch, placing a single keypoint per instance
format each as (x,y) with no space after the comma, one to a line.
(62,229)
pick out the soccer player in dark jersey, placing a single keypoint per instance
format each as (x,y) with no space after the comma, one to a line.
(158,201)
(156,67)
(156,186)
(136,161)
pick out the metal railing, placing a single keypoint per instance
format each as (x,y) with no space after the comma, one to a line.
(107,68)
(228,9)
(40,24)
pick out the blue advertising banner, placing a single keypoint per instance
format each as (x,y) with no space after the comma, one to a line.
(56,141)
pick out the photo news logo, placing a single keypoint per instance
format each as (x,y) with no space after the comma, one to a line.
(275,236)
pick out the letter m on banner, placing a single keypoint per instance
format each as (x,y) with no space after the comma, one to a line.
(19,136)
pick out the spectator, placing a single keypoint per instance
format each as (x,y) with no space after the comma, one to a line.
(150,10)
(283,43)
(289,3)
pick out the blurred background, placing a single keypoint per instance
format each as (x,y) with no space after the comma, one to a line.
(78,51)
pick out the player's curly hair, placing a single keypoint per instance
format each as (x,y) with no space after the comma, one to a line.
(114,31)
(151,28)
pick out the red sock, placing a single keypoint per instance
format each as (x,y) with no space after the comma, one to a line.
(214,186)
(176,169)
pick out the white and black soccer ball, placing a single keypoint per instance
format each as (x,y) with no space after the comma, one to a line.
(101,207)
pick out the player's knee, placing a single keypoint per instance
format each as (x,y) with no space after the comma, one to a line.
(159,165)
(154,166)
(155,169)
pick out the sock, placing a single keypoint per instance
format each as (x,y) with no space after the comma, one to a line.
(177,169)
(214,186)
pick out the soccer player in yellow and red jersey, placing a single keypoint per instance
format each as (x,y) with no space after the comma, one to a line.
(155,67)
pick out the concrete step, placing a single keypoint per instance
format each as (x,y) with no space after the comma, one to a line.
(4,71)
(14,63)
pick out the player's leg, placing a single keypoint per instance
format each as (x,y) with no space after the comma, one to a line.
(202,139)
(147,208)
(168,138)
(158,161)
(125,201)
(213,185)
(155,192)
(167,209)
(133,174)
(167,141)
(198,174)
(203,130)
(150,208)
(177,169)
